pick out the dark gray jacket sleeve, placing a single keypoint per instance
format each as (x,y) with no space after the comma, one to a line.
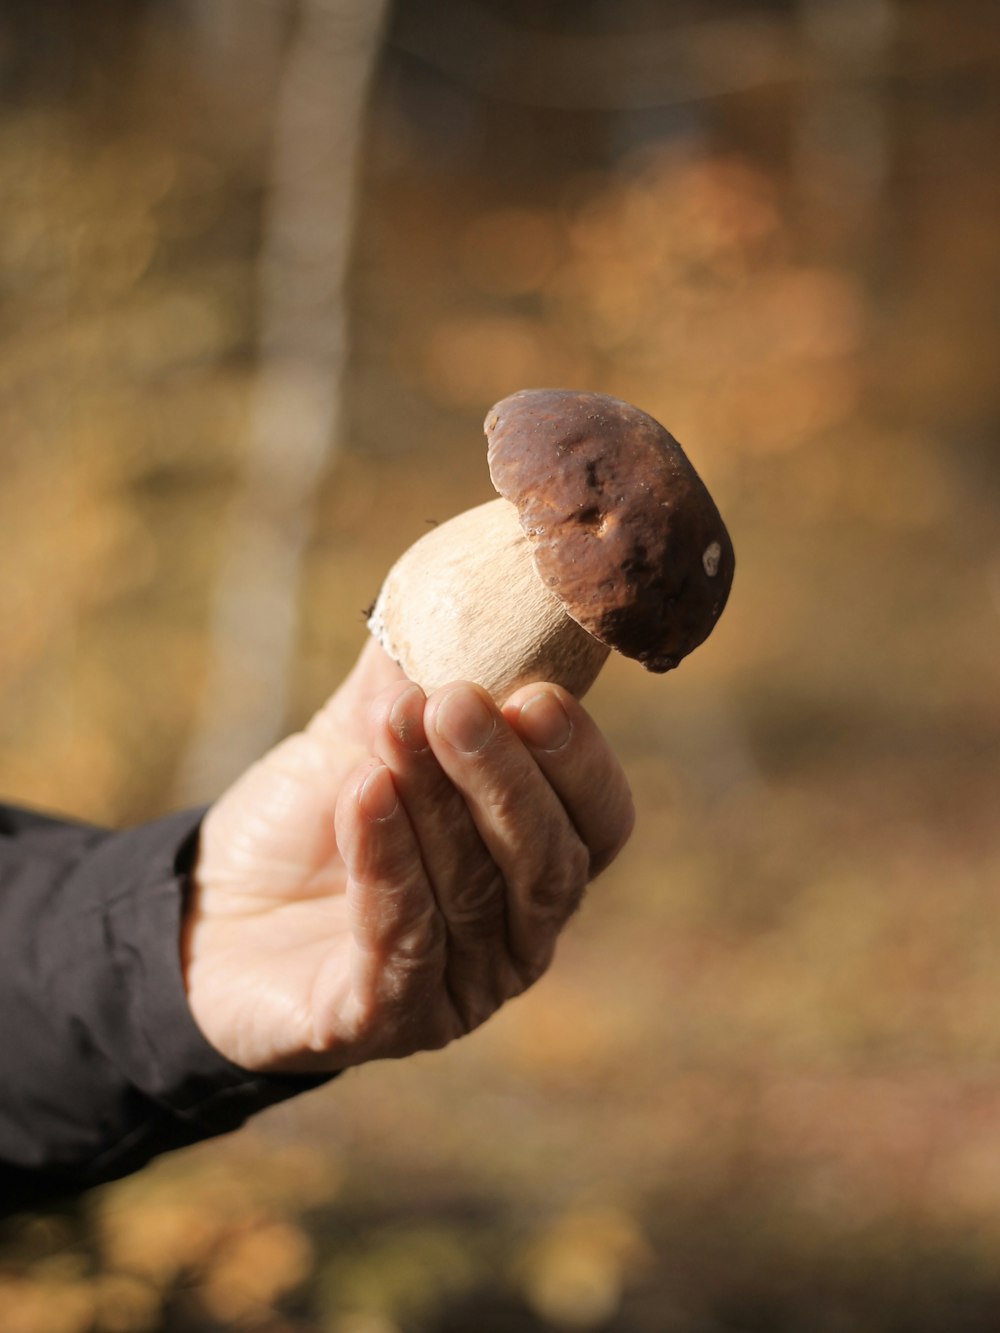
(101,1064)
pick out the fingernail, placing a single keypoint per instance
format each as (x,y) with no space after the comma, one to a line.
(378,794)
(544,722)
(406,718)
(464,721)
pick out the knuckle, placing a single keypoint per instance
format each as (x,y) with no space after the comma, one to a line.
(431,1027)
(606,849)
(602,857)
(407,988)
(577,867)
(559,886)
(503,807)
(422,941)
(477,994)
(478,899)
(473,1011)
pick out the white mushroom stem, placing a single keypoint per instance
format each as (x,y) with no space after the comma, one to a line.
(465,603)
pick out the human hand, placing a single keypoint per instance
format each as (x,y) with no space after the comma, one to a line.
(383,881)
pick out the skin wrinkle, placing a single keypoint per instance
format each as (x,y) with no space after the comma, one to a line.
(455,989)
(394,957)
(451,797)
(524,964)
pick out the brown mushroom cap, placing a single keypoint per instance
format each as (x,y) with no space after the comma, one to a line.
(622,528)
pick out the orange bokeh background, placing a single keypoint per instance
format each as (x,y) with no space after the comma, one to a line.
(265,268)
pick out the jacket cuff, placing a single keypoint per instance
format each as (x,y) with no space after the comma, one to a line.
(186,1090)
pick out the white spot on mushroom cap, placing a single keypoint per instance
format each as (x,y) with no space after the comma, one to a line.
(710,559)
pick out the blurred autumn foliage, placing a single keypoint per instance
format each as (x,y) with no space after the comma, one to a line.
(761,1088)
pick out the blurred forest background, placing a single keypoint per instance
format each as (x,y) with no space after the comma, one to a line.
(264,265)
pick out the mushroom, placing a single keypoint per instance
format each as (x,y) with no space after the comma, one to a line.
(605,538)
